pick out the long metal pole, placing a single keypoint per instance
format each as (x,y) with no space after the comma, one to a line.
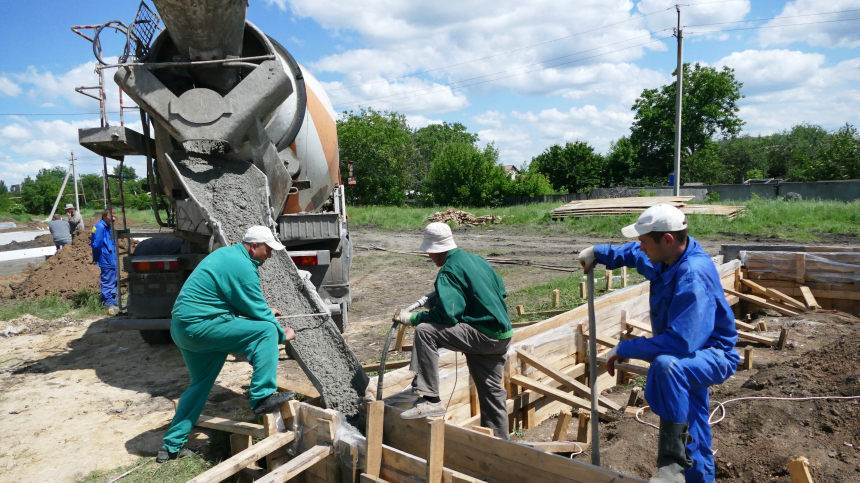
(75,181)
(592,370)
(679,93)
(59,195)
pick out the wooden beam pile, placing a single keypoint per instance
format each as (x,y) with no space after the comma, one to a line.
(460,217)
(636,205)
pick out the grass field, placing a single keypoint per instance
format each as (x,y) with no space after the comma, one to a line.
(802,221)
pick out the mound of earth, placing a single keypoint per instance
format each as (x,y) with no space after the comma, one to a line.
(68,272)
(758,437)
(45,240)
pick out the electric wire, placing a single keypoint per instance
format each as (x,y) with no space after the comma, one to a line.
(771,26)
(772,18)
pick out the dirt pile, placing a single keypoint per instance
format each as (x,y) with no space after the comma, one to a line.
(65,274)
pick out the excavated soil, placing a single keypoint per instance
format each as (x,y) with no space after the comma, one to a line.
(68,272)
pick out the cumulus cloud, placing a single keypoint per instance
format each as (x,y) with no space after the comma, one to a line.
(490,118)
(417,121)
(663,14)
(771,70)
(411,95)
(825,34)
(9,88)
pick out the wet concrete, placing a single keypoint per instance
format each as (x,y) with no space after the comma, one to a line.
(234,194)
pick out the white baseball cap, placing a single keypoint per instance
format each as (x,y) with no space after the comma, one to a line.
(660,218)
(438,238)
(261,234)
(70,206)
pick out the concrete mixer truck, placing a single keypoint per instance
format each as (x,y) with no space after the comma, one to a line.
(235,133)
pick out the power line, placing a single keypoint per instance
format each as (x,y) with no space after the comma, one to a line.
(771,26)
(773,18)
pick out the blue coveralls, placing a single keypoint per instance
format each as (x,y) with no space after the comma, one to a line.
(693,346)
(104,254)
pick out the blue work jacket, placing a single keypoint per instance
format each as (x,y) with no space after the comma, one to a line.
(689,310)
(104,250)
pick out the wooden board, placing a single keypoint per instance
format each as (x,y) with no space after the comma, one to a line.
(577,387)
(762,302)
(558,395)
(230,426)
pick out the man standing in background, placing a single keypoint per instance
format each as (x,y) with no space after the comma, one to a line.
(60,232)
(104,255)
(76,223)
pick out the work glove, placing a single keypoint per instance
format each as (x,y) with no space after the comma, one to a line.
(586,259)
(611,359)
(403,316)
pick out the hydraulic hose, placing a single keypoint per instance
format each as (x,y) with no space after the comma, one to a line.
(423,301)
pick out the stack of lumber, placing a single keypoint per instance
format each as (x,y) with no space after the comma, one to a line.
(636,205)
(829,280)
(462,218)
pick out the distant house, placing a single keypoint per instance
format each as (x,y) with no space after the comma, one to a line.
(15,188)
(511,171)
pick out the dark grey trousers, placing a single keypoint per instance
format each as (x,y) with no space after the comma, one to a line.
(485,357)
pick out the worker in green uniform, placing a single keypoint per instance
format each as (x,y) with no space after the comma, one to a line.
(221,310)
(470,316)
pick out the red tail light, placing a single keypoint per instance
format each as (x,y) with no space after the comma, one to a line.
(150,266)
(305,260)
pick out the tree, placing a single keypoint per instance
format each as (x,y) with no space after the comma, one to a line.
(709,112)
(529,183)
(380,145)
(573,168)
(620,162)
(427,141)
(464,175)
(37,196)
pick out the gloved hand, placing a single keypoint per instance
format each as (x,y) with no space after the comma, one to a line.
(586,259)
(611,359)
(403,316)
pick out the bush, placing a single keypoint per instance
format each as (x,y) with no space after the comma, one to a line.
(464,175)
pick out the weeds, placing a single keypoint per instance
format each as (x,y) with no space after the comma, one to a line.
(149,471)
(83,304)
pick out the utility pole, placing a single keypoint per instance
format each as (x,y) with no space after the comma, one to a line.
(679,93)
(75,181)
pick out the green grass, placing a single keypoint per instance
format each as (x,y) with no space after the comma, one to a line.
(143,216)
(802,221)
(539,297)
(174,471)
(83,304)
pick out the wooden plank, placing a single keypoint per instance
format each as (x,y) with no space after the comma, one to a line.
(762,302)
(375,421)
(239,443)
(557,395)
(401,337)
(583,291)
(564,418)
(435,451)
(295,466)
(234,464)
(783,338)
(556,298)
(757,338)
(474,405)
(623,277)
(743,325)
(635,394)
(798,468)
(639,325)
(806,293)
(774,294)
(366,478)
(603,340)
(762,326)
(230,426)
(483,430)
(304,388)
(748,358)
(583,428)
(623,366)
(563,379)
(608,277)
(388,365)
(558,446)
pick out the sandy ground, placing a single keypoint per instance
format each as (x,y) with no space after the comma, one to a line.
(76,398)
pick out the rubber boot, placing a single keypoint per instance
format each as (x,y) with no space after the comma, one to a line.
(672,458)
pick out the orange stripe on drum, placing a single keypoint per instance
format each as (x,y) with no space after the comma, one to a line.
(327,131)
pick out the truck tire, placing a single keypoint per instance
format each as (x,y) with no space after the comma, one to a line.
(156,337)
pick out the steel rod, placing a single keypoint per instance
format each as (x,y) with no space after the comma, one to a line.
(592,369)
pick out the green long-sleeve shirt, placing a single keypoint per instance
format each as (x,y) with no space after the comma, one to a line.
(225,284)
(469,292)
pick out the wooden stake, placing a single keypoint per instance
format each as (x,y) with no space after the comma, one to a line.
(801,267)
(762,326)
(556,298)
(623,276)
(634,396)
(583,291)
(435,451)
(762,302)
(483,430)
(521,310)
(809,298)
(798,468)
(239,443)
(401,336)
(583,430)
(375,418)
(748,358)
(474,407)
(564,418)
(609,280)
(783,338)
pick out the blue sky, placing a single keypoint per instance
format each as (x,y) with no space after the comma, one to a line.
(416,58)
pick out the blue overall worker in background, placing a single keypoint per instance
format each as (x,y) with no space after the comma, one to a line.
(693,343)
(104,255)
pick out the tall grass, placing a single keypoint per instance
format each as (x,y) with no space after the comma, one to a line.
(793,220)
(83,304)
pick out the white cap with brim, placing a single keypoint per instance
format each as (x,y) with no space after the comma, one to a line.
(70,206)
(659,218)
(438,238)
(261,234)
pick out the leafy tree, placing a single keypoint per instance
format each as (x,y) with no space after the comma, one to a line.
(572,168)
(427,141)
(3,189)
(709,111)
(380,145)
(464,175)
(5,202)
(621,163)
(529,183)
(38,195)
(93,190)
(705,166)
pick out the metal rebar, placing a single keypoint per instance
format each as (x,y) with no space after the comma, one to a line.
(592,370)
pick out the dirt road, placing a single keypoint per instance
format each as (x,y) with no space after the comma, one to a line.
(76,398)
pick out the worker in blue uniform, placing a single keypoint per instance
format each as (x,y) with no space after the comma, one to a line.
(693,341)
(104,255)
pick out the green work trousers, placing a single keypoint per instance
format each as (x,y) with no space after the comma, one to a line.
(204,347)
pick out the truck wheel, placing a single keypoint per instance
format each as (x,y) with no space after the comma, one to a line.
(156,337)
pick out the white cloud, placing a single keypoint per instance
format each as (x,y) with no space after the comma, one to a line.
(12,133)
(411,95)
(663,14)
(490,118)
(829,34)
(9,88)
(771,70)
(417,121)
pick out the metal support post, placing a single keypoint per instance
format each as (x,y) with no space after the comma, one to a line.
(592,370)
(679,93)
